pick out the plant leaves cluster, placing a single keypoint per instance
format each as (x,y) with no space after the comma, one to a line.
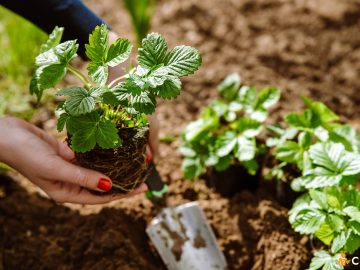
(226,131)
(93,111)
(326,155)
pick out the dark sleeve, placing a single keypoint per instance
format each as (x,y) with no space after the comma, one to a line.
(73,15)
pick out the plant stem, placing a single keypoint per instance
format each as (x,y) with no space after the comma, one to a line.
(117,80)
(78,74)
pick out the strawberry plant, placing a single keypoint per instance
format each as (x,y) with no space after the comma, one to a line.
(226,132)
(106,121)
(326,157)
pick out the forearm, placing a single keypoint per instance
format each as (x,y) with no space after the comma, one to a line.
(73,15)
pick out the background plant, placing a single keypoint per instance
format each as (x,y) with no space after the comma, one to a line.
(141,12)
(326,156)
(18,50)
(226,131)
(93,112)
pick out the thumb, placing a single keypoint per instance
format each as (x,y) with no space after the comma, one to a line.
(71,173)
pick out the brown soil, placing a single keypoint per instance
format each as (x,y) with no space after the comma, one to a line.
(304,47)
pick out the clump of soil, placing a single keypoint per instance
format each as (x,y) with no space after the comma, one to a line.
(126,166)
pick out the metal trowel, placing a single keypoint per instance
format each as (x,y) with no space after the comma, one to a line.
(182,234)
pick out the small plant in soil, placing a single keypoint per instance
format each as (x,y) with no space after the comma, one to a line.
(326,157)
(227,132)
(106,121)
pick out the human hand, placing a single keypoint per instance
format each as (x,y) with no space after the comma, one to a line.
(48,164)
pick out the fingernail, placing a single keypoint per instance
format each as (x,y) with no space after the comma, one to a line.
(104,184)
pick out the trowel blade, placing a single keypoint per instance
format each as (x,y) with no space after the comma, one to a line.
(185,240)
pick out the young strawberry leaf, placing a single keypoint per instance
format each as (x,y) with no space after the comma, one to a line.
(192,168)
(169,89)
(182,61)
(80,101)
(62,121)
(153,51)
(52,67)
(118,52)
(98,45)
(322,259)
(145,103)
(267,98)
(54,39)
(107,134)
(229,88)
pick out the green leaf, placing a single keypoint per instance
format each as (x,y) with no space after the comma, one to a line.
(340,241)
(85,120)
(355,226)
(107,134)
(248,97)
(78,105)
(54,39)
(99,73)
(245,149)
(319,197)
(62,121)
(170,89)
(72,91)
(247,127)
(322,259)
(329,156)
(229,88)
(288,151)
(66,51)
(353,243)
(353,212)
(192,168)
(320,177)
(84,139)
(268,97)
(303,120)
(145,103)
(121,93)
(324,113)
(187,151)
(308,221)
(80,101)
(183,61)
(225,143)
(325,233)
(153,51)
(46,77)
(98,44)
(118,52)
(223,163)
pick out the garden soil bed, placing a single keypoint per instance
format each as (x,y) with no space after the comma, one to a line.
(302,46)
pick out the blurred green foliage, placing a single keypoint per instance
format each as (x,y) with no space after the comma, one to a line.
(141,12)
(19,42)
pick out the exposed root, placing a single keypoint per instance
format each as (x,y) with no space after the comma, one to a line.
(126,166)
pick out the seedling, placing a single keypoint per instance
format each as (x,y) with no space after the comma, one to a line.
(106,121)
(327,158)
(226,131)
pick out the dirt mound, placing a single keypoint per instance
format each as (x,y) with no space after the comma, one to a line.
(39,234)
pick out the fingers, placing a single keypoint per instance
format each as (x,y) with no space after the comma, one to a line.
(70,173)
(85,197)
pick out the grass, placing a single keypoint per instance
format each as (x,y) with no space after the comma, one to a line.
(19,42)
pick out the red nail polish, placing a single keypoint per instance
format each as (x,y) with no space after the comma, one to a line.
(148,157)
(104,184)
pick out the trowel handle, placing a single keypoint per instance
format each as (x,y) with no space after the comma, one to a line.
(157,188)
